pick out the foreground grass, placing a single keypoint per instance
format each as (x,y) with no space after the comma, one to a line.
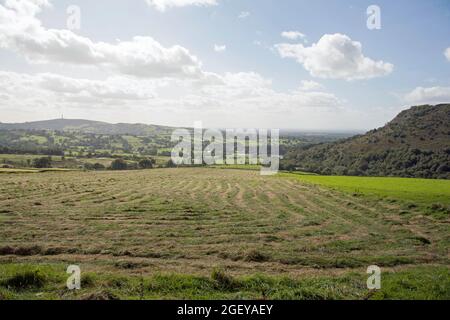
(26,281)
(168,225)
(424,191)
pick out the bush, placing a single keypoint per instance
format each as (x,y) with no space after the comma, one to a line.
(146,164)
(119,164)
(45,162)
(99,166)
(170,164)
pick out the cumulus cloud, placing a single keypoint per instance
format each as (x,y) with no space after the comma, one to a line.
(430,95)
(22,32)
(143,76)
(293,35)
(335,56)
(230,92)
(447,54)
(113,88)
(163,5)
(220,48)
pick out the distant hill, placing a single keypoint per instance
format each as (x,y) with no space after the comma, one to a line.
(87,126)
(415,144)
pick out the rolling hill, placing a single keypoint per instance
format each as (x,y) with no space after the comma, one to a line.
(415,144)
(88,126)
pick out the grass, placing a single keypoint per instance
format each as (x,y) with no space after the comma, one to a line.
(173,227)
(237,166)
(425,191)
(24,281)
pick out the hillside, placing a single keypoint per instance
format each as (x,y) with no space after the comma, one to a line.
(415,144)
(87,126)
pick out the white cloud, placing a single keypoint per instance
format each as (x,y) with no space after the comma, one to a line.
(170,81)
(293,35)
(244,14)
(447,54)
(308,85)
(244,92)
(430,95)
(44,84)
(163,5)
(22,32)
(335,56)
(220,48)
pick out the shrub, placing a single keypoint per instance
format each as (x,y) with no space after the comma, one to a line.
(146,164)
(45,162)
(119,164)
(170,164)
(99,166)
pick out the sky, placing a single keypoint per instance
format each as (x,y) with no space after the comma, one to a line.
(287,64)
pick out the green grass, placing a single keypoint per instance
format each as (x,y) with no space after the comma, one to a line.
(423,191)
(47,281)
(277,237)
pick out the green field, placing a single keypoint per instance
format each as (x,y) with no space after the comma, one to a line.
(208,233)
(420,191)
(24,163)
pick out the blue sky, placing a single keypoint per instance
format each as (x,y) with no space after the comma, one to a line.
(258,79)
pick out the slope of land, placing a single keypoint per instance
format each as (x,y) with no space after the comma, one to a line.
(88,126)
(94,138)
(415,144)
(193,221)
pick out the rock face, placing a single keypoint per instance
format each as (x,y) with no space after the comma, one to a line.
(415,144)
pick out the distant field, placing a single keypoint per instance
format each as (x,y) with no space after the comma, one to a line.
(24,162)
(422,191)
(6,170)
(271,236)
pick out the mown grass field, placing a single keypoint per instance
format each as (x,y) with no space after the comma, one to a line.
(210,233)
(420,191)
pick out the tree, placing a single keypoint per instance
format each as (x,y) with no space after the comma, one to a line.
(170,164)
(146,164)
(45,162)
(119,164)
(99,166)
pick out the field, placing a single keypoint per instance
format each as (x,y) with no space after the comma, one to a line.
(23,163)
(212,233)
(414,191)
(419,191)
